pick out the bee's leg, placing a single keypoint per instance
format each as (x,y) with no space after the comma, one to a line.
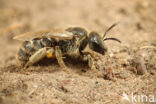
(88,57)
(40,54)
(58,55)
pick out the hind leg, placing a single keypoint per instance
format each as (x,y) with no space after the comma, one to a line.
(40,54)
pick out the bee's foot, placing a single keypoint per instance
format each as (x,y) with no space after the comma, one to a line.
(96,72)
(65,69)
(26,67)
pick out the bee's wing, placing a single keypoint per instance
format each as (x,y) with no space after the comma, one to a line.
(60,35)
(31,35)
(55,34)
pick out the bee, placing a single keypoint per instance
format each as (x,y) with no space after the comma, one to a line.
(53,43)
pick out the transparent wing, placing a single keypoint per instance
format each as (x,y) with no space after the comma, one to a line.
(60,34)
(31,35)
(55,34)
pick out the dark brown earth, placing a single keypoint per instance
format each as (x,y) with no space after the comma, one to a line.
(127,68)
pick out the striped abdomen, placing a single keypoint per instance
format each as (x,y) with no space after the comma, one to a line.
(28,48)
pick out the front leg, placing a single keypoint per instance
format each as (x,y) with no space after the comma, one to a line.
(87,57)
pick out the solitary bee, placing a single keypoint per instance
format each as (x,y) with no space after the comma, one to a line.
(71,41)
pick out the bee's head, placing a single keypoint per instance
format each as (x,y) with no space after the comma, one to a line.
(96,42)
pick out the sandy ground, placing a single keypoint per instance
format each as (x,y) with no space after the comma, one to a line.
(127,68)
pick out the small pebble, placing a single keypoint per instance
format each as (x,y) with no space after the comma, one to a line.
(124,74)
(140,66)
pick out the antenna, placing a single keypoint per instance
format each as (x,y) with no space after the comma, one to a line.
(112,39)
(109,29)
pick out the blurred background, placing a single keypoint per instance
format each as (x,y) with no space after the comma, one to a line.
(133,15)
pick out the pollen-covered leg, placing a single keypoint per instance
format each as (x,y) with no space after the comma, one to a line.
(50,53)
(58,55)
(40,54)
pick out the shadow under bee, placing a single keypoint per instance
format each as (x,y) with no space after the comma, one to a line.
(50,66)
(76,64)
(72,63)
(47,62)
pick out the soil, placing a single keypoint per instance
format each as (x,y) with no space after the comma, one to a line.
(127,68)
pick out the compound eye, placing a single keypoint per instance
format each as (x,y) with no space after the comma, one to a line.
(96,43)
